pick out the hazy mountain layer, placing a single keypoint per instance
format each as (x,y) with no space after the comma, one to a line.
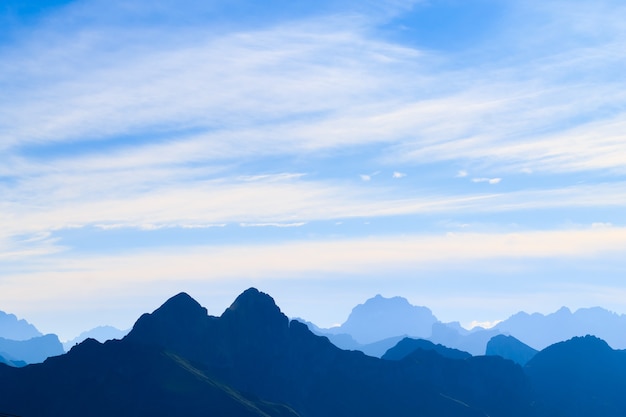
(16,329)
(100,333)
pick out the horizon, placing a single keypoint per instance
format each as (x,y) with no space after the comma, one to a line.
(468,156)
(473,325)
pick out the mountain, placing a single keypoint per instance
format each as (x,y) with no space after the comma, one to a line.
(579,377)
(251,361)
(11,363)
(474,341)
(539,331)
(121,379)
(381,318)
(407,346)
(100,333)
(509,347)
(33,350)
(16,329)
(346,342)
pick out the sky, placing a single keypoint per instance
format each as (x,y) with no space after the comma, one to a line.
(468,155)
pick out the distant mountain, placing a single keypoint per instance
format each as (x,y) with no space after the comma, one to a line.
(474,342)
(407,346)
(540,331)
(381,318)
(16,329)
(100,333)
(509,347)
(346,342)
(11,363)
(579,378)
(252,361)
(33,350)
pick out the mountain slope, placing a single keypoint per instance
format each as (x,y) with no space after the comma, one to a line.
(580,377)
(122,379)
(251,361)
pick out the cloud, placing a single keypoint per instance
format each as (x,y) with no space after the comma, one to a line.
(489,180)
(365,177)
(397,175)
(483,324)
(461,174)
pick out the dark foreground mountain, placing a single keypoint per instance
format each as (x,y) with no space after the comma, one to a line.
(579,378)
(252,361)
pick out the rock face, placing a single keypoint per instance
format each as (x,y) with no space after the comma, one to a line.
(509,347)
(252,361)
(580,377)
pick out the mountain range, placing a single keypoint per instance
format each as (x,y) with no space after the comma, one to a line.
(372,328)
(254,361)
(382,322)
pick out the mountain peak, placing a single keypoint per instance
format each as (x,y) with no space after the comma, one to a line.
(380,318)
(179,315)
(182,304)
(255,306)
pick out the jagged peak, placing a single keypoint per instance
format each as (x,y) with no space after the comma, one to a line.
(253,298)
(181,305)
(254,305)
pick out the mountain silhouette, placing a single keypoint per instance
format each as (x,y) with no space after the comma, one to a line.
(579,377)
(539,331)
(252,361)
(33,350)
(453,336)
(13,328)
(10,362)
(509,347)
(346,342)
(407,346)
(381,318)
(100,333)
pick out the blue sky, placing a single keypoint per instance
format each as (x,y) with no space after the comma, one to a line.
(467,155)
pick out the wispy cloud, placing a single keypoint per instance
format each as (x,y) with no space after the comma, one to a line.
(489,180)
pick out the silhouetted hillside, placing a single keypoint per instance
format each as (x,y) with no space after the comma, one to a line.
(579,378)
(407,346)
(180,361)
(16,329)
(123,379)
(33,350)
(509,347)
